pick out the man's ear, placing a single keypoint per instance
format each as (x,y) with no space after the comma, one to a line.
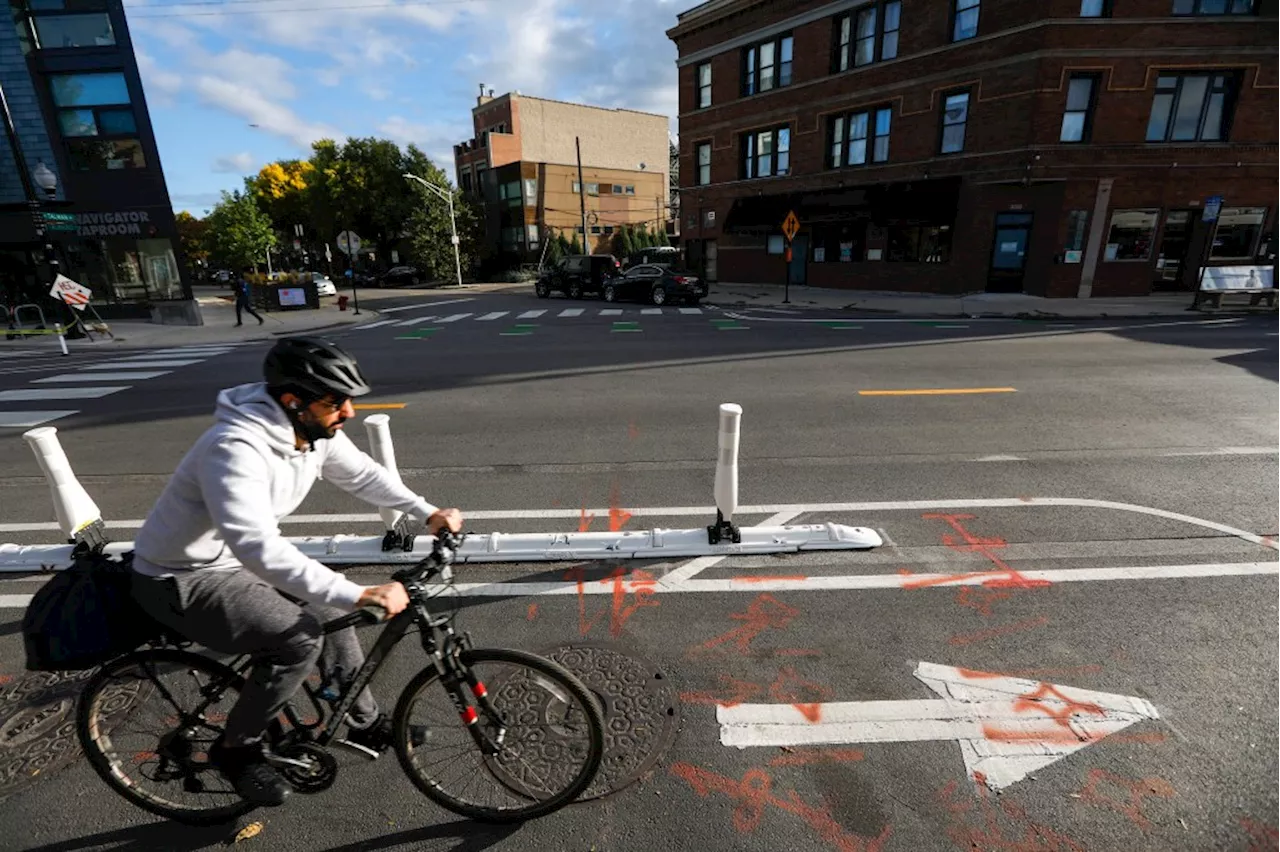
(291,401)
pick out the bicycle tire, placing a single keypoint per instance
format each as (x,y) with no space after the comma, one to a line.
(547,670)
(94,729)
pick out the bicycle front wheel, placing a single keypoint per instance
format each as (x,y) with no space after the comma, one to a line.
(550,749)
(146,721)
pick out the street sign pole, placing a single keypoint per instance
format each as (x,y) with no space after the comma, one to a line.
(349,244)
(1208,217)
(790,225)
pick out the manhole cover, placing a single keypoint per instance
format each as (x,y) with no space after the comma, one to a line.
(640,711)
(38,724)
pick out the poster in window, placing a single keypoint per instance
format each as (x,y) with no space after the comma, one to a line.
(846,252)
(1112,250)
(819,254)
(1072,256)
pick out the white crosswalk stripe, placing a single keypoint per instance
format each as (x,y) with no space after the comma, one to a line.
(454,317)
(571,312)
(27,419)
(31,394)
(138,364)
(493,316)
(368,326)
(67,378)
(651,311)
(415,321)
(531,314)
(611,312)
(691,310)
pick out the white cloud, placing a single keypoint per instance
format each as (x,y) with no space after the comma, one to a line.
(250,104)
(236,164)
(435,140)
(160,85)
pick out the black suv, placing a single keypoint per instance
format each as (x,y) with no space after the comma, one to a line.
(577,274)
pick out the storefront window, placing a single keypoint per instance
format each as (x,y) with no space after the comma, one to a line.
(920,243)
(59,31)
(93,155)
(1131,235)
(1237,233)
(121,269)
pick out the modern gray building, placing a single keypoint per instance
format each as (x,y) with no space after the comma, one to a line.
(80,126)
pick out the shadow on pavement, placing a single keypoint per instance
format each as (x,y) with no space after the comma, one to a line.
(169,836)
(470,836)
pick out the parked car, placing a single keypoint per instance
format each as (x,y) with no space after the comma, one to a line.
(651,282)
(577,274)
(400,276)
(324,284)
(662,255)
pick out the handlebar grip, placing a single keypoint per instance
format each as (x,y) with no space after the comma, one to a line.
(373,613)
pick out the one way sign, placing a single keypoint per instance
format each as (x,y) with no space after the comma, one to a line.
(1007,727)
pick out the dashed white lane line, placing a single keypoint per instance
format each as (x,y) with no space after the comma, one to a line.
(100,377)
(27,419)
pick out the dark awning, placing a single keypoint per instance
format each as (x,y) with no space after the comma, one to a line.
(916,202)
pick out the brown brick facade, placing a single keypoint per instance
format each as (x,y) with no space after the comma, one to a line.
(1017,72)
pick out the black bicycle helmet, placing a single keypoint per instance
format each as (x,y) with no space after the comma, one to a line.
(314,365)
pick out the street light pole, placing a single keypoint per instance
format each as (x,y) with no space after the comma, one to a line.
(453,219)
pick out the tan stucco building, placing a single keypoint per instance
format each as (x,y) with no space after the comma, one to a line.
(522,163)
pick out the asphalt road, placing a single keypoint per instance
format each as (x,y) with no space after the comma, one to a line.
(1118,478)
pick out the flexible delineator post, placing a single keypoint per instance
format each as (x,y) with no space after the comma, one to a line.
(727,461)
(378,426)
(75,509)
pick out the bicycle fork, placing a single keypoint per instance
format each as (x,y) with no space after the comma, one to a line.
(453,676)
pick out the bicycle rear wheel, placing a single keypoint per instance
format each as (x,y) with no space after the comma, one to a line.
(146,721)
(551,750)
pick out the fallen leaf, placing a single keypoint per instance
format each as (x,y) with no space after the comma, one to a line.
(250,830)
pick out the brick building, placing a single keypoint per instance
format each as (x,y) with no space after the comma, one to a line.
(1058,148)
(70,78)
(523,163)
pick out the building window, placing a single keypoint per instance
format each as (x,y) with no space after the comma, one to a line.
(704,85)
(775,244)
(766,153)
(55,31)
(1076,222)
(864,36)
(767,65)
(466,181)
(531,192)
(630,189)
(99,155)
(1131,235)
(1213,7)
(919,243)
(1077,118)
(510,193)
(608,230)
(703,150)
(1237,233)
(577,187)
(859,138)
(965,19)
(593,189)
(595,229)
(531,234)
(1191,108)
(1095,8)
(955,117)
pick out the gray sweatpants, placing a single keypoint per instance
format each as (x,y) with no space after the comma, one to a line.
(236,612)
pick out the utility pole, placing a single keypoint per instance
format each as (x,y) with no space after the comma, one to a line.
(582,196)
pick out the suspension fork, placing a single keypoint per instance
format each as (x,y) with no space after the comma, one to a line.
(453,675)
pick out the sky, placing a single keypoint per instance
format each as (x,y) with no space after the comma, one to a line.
(234,84)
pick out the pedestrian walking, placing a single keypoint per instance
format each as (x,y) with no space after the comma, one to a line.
(242,297)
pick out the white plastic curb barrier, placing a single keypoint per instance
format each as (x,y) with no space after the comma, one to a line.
(378,426)
(76,511)
(72,505)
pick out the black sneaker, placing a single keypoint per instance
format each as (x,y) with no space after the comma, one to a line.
(380,736)
(247,770)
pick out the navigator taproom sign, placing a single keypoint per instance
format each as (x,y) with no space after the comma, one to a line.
(131,223)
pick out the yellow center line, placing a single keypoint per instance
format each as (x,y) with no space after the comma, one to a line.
(934,391)
(378,406)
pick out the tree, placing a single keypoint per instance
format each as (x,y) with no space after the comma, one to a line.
(555,249)
(673,181)
(627,244)
(575,247)
(239,233)
(641,239)
(563,244)
(430,232)
(280,189)
(193,237)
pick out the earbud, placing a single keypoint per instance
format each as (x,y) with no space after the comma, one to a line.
(294,406)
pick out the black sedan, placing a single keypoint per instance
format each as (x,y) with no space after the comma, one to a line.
(660,285)
(400,276)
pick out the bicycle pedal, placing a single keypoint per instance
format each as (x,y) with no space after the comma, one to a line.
(367,752)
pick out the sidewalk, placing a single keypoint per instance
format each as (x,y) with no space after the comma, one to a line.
(971,305)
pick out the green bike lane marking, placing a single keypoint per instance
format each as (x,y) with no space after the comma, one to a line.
(519,330)
(625,326)
(729,325)
(418,334)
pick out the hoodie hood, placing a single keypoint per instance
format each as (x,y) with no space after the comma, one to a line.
(251,407)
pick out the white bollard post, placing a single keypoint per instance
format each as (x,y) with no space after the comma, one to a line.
(378,426)
(73,506)
(727,462)
(62,340)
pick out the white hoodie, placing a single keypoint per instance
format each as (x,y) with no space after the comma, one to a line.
(223,505)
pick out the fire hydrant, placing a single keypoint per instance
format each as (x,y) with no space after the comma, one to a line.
(342,302)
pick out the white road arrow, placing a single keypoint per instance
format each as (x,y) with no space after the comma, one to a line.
(1007,727)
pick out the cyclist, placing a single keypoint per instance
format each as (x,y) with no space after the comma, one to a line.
(210,561)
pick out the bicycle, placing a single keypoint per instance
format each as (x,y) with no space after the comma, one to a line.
(496,693)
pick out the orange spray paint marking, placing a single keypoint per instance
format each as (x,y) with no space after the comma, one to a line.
(763,613)
(991,633)
(804,695)
(533,612)
(805,757)
(980,598)
(1035,674)
(739,691)
(1262,838)
(1136,791)
(584,520)
(643,589)
(617,516)
(633,431)
(754,793)
(5,679)
(1060,715)
(997,825)
(1004,578)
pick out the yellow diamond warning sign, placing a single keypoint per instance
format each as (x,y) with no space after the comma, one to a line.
(790,225)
